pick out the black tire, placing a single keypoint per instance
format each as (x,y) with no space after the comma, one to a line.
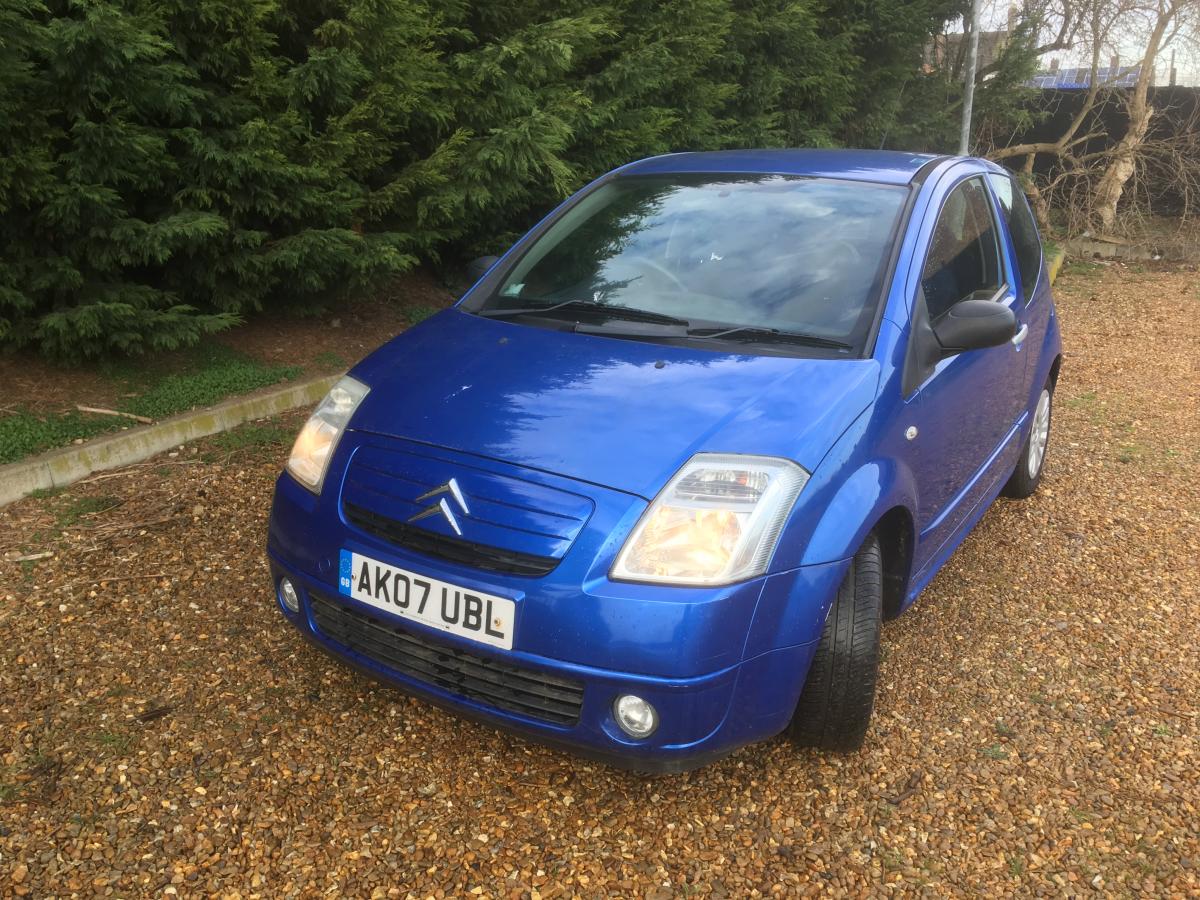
(835,706)
(1023,482)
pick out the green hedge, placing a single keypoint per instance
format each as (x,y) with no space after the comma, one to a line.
(167,166)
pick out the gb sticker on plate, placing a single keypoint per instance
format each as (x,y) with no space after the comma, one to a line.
(470,614)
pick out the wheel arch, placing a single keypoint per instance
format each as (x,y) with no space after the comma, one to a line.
(1054,367)
(877,499)
(896,534)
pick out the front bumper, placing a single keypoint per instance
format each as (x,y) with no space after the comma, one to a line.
(722,666)
(702,718)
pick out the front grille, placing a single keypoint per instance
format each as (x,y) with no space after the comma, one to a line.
(511,688)
(467,553)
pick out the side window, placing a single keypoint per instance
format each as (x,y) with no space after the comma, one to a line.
(1019,218)
(963,259)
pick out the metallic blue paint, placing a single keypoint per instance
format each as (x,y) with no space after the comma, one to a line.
(879,166)
(571,435)
(530,396)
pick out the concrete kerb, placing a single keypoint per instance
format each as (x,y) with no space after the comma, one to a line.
(57,468)
(1054,261)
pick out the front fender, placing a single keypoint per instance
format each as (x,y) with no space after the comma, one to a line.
(860,502)
(856,483)
(793,605)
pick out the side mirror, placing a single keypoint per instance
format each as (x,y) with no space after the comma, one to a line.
(477,268)
(973,325)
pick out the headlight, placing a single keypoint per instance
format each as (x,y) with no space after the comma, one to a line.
(716,522)
(317,439)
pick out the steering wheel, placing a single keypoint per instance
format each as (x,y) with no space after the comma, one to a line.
(660,269)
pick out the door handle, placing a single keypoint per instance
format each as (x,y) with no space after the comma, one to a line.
(1019,338)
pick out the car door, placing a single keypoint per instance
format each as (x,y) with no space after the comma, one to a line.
(967,410)
(1033,281)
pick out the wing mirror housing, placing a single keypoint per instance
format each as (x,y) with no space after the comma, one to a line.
(971,324)
(974,324)
(478,267)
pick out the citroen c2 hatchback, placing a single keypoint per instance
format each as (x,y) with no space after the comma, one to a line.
(649,489)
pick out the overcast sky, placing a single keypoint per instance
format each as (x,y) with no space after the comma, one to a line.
(1129,49)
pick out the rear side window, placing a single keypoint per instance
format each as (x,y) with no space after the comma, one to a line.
(1019,217)
(963,260)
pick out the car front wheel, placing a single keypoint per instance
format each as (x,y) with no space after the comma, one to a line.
(835,706)
(1028,474)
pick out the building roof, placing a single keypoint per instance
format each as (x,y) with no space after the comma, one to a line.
(883,166)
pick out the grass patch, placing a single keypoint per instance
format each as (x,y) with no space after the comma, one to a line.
(8,791)
(1090,405)
(420,314)
(222,373)
(24,433)
(117,742)
(1082,267)
(82,506)
(995,751)
(1131,453)
(252,436)
(330,359)
(208,374)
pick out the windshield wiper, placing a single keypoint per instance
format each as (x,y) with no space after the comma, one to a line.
(613,311)
(765,335)
(746,333)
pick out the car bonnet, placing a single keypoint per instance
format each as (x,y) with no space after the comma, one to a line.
(623,414)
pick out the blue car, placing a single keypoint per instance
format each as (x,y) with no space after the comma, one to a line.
(648,491)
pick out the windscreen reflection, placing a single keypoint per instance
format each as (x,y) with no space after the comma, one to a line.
(792,253)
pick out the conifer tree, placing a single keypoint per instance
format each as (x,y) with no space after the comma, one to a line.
(197,159)
(169,166)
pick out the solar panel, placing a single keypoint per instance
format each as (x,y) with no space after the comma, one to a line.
(1079,79)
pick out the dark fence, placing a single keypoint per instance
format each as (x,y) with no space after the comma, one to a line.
(1177,114)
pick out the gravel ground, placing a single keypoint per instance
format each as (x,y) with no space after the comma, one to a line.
(162,731)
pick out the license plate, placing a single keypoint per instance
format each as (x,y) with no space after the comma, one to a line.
(438,604)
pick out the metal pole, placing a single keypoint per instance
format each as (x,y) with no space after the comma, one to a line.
(964,137)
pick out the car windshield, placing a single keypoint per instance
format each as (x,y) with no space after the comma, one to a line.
(746,255)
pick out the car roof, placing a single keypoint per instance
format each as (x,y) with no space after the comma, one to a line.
(882,166)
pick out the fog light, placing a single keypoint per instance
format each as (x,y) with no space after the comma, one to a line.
(637,718)
(287,594)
